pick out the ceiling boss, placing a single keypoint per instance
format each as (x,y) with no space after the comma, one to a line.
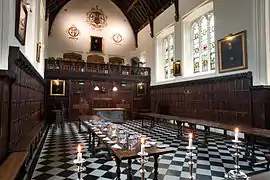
(96,18)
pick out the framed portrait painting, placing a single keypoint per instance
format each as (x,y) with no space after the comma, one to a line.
(57,87)
(21,21)
(96,44)
(141,89)
(232,52)
(177,70)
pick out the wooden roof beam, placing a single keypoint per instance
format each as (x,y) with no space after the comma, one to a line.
(132,5)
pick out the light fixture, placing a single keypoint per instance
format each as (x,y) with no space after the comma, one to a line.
(114,87)
(230,37)
(96,88)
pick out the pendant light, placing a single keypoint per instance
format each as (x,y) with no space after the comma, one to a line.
(114,87)
(96,88)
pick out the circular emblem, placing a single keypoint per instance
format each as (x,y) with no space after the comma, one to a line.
(96,18)
(117,38)
(73,32)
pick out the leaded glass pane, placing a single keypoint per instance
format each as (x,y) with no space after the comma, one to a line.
(212,41)
(196,47)
(203,43)
(171,54)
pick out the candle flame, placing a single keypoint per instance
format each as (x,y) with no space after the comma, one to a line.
(190,135)
(79,148)
(142,140)
(236,130)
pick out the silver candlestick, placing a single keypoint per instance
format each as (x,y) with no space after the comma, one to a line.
(79,167)
(143,162)
(190,154)
(236,173)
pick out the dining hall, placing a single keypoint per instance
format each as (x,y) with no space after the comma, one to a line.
(134,89)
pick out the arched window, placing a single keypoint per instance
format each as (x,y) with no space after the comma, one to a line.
(203,44)
(168,55)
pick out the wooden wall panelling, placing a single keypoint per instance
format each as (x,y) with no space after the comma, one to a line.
(27,97)
(222,99)
(4,107)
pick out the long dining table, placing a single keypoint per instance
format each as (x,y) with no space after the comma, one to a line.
(124,151)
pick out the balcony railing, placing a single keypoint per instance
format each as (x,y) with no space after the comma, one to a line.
(69,66)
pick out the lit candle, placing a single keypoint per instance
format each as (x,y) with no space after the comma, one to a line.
(79,154)
(236,131)
(190,140)
(142,146)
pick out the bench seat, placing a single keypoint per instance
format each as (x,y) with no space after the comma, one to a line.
(11,167)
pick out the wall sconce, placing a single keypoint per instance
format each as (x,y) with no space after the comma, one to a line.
(96,88)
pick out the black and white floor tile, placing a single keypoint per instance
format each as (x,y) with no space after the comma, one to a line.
(211,162)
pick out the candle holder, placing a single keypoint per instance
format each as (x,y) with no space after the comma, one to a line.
(236,173)
(143,161)
(79,167)
(190,154)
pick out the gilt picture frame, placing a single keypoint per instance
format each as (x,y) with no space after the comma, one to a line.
(21,21)
(141,89)
(177,70)
(57,87)
(96,44)
(38,51)
(232,52)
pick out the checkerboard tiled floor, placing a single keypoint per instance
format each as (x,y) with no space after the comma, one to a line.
(211,162)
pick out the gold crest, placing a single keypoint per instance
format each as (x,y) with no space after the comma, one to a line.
(96,18)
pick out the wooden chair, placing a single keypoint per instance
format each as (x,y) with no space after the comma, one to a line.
(72,57)
(95,59)
(116,61)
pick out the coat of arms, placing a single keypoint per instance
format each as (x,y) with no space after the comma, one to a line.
(73,32)
(96,18)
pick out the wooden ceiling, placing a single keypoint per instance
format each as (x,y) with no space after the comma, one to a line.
(138,12)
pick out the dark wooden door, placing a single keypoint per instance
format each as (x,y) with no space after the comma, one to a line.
(4,130)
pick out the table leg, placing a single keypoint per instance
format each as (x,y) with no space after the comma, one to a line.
(206,133)
(253,156)
(80,125)
(156,167)
(93,143)
(129,175)
(118,171)
(89,142)
(178,129)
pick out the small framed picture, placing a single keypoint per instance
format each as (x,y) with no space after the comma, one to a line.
(232,52)
(38,52)
(21,21)
(57,87)
(96,44)
(177,68)
(141,89)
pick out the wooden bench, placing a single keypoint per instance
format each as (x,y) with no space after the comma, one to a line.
(250,133)
(12,166)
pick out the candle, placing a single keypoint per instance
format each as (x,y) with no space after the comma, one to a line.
(190,140)
(236,131)
(142,146)
(79,154)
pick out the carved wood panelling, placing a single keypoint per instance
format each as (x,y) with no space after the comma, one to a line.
(4,103)
(221,99)
(27,97)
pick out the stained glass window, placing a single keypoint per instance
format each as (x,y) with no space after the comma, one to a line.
(203,44)
(168,55)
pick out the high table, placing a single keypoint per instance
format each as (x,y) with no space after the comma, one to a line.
(125,153)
